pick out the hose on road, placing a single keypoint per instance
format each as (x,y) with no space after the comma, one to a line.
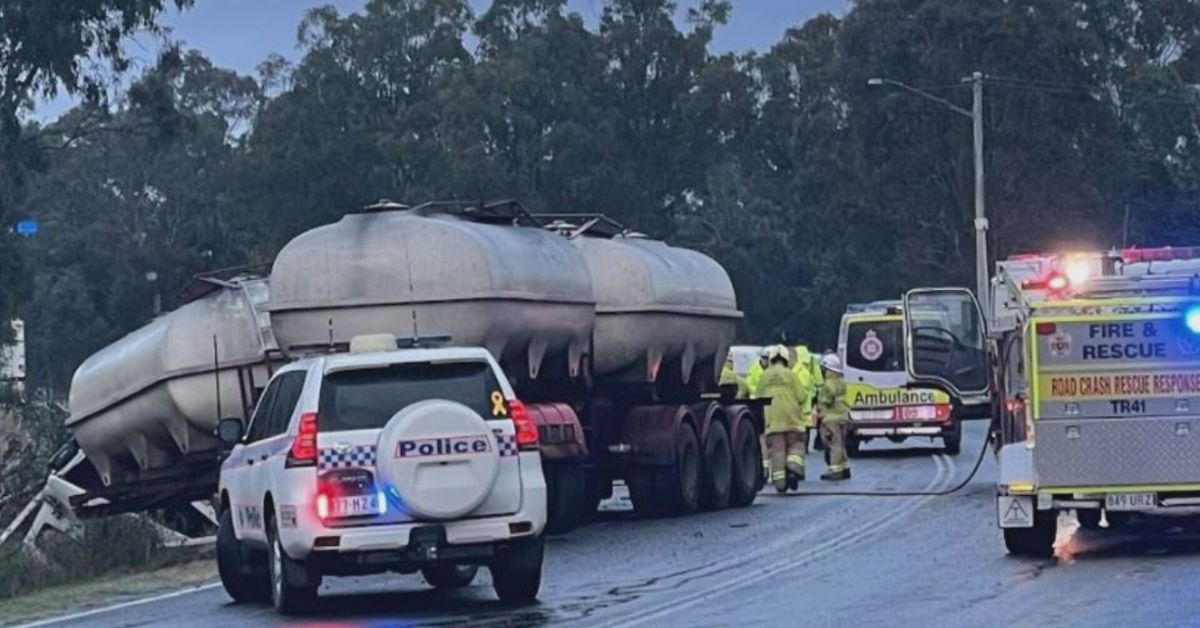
(934,493)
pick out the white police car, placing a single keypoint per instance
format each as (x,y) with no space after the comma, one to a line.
(401,460)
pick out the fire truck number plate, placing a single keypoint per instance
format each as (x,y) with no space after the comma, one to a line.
(1130,501)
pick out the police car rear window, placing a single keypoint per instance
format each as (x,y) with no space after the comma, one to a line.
(368,398)
(875,346)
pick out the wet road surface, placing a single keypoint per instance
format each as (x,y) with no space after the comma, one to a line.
(798,560)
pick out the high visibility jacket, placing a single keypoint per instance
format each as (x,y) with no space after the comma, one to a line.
(831,400)
(807,360)
(752,374)
(728,377)
(782,387)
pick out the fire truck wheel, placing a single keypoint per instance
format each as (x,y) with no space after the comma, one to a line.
(1035,542)
(1089,519)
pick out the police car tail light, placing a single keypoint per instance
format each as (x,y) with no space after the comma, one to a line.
(527,431)
(304,448)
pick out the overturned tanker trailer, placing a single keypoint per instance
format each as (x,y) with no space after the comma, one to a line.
(142,410)
(614,341)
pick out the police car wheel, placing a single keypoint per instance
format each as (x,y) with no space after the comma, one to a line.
(517,573)
(293,588)
(243,580)
(449,576)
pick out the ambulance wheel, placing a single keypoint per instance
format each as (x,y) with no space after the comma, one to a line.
(1089,518)
(244,579)
(718,468)
(747,462)
(566,490)
(446,576)
(852,445)
(952,441)
(1035,542)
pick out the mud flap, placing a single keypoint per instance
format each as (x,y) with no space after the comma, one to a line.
(1014,511)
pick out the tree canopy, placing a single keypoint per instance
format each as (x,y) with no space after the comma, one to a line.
(810,186)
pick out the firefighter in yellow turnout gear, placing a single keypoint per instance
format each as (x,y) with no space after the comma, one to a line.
(835,414)
(786,432)
(730,378)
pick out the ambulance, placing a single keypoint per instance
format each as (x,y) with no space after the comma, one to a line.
(1097,378)
(884,400)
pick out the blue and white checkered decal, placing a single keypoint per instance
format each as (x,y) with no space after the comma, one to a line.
(508,445)
(357,456)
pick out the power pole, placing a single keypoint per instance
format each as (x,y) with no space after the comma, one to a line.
(981,221)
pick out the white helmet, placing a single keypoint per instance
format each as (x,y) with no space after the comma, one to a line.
(831,362)
(765,352)
(778,351)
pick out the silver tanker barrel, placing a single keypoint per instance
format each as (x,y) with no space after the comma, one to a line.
(484,278)
(144,403)
(661,311)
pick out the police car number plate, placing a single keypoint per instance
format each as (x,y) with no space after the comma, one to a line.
(356,506)
(1130,501)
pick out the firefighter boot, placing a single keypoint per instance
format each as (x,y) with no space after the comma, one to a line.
(836,475)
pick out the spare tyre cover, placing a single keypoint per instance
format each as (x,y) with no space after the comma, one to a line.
(440,457)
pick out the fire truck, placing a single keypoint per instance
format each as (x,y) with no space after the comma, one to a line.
(1097,381)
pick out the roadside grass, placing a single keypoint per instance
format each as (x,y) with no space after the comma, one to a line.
(114,587)
(110,557)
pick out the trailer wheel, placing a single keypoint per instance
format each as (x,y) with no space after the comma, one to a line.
(566,489)
(718,468)
(680,483)
(747,462)
(1035,542)
(643,491)
(243,580)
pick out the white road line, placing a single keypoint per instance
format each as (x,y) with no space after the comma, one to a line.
(123,605)
(946,471)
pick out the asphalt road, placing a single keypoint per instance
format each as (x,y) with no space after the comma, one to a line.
(799,560)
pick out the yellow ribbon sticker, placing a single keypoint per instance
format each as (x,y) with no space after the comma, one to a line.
(498,408)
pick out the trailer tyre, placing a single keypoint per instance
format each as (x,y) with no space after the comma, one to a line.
(681,483)
(718,468)
(643,491)
(243,580)
(747,463)
(566,493)
(1035,542)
